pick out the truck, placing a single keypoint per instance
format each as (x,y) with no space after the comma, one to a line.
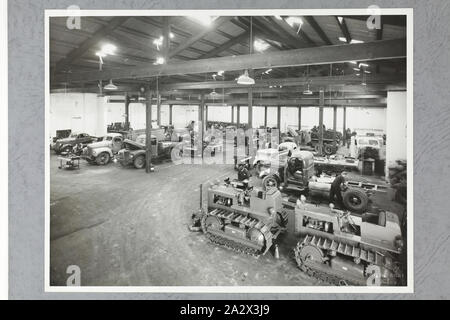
(367,146)
(101,152)
(134,152)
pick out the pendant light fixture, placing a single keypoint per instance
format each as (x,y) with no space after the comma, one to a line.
(110,86)
(307,91)
(245,78)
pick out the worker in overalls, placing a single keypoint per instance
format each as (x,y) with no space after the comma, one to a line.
(336,189)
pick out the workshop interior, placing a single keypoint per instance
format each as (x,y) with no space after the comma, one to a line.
(228,150)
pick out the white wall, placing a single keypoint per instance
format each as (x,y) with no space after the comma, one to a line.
(80,112)
(359,119)
(396,127)
(91,114)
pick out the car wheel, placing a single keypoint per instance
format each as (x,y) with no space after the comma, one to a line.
(270,182)
(66,149)
(139,162)
(355,200)
(328,149)
(103,158)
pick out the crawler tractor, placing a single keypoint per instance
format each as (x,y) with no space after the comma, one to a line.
(345,249)
(243,219)
(294,172)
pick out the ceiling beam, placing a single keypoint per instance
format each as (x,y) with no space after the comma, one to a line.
(181,33)
(378,50)
(343,26)
(289,82)
(313,23)
(263,32)
(282,102)
(90,42)
(301,38)
(226,45)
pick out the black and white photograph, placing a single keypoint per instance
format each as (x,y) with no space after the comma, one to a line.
(229,150)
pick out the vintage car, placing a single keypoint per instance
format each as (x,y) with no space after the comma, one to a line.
(101,152)
(134,151)
(67,144)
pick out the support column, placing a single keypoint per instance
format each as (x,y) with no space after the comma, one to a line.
(170,114)
(334,125)
(201,124)
(127,111)
(265,117)
(201,115)
(206,118)
(148,131)
(158,108)
(279,118)
(238,116)
(344,126)
(250,107)
(232,114)
(299,118)
(321,104)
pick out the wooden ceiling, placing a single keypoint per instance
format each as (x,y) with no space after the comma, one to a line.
(196,52)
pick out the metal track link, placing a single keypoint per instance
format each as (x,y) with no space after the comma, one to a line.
(321,275)
(233,245)
(344,249)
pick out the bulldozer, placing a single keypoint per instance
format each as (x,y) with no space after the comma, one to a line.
(295,173)
(243,218)
(341,248)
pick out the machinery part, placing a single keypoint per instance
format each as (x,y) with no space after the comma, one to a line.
(139,162)
(338,263)
(355,200)
(103,158)
(66,149)
(237,232)
(270,182)
(328,149)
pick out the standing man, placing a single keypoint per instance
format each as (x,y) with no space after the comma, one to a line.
(336,191)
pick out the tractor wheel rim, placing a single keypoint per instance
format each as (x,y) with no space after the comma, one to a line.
(355,200)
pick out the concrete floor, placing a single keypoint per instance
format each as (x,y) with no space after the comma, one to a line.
(124,227)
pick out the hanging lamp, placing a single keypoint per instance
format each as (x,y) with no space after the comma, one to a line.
(307,91)
(245,79)
(110,86)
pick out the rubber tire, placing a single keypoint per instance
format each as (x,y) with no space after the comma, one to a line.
(364,200)
(139,162)
(328,149)
(99,161)
(67,149)
(270,177)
